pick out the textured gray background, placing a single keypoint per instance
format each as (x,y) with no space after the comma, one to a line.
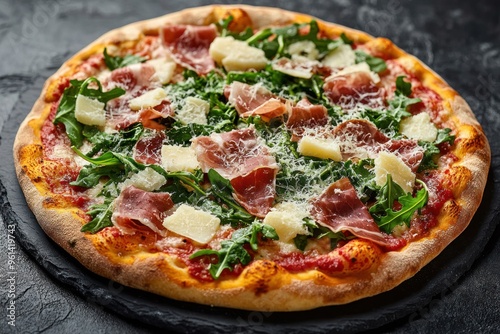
(459,39)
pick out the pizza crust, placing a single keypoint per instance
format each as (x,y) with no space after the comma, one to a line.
(263,286)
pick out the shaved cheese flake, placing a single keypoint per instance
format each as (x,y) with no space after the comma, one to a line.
(194,110)
(164,69)
(319,148)
(147,180)
(89,111)
(389,163)
(342,56)
(191,223)
(237,55)
(419,127)
(286,219)
(297,71)
(303,48)
(178,158)
(149,99)
(361,67)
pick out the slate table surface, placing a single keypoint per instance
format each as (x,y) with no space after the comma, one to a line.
(460,40)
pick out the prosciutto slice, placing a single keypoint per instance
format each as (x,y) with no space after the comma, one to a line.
(238,156)
(361,139)
(189,45)
(138,209)
(306,115)
(350,89)
(147,149)
(251,100)
(339,209)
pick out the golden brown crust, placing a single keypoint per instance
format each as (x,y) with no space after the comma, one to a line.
(263,285)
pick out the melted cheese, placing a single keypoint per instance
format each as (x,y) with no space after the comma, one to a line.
(194,224)
(389,163)
(149,99)
(286,219)
(195,110)
(89,111)
(178,158)
(237,55)
(419,127)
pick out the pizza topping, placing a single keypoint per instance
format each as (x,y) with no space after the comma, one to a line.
(232,154)
(117,62)
(256,190)
(194,111)
(135,209)
(246,98)
(319,148)
(340,209)
(351,89)
(89,111)
(389,163)
(287,220)
(147,179)
(149,99)
(178,158)
(306,115)
(237,55)
(189,45)
(419,127)
(342,56)
(147,149)
(197,225)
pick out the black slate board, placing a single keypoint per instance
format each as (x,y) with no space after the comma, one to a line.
(437,279)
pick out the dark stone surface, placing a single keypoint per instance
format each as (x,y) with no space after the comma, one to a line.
(459,292)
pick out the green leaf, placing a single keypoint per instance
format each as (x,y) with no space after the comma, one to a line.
(66,109)
(116,62)
(317,232)
(101,214)
(66,113)
(431,149)
(409,205)
(389,193)
(233,251)
(376,64)
(122,141)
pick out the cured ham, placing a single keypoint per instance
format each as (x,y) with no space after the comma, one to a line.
(147,150)
(250,100)
(256,190)
(361,139)
(138,209)
(189,45)
(306,115)
(339,209)
(238,156)
(351,89)
(232,154)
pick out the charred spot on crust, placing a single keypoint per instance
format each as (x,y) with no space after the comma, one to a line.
(72,243)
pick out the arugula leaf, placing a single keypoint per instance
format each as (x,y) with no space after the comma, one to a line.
(224,27)
(376,64)
(116,62)
(121,141)
(388,120)
(431,149)
(409,204)
(284,36)
(233,250)
(101,214)
(222,189)
(317,232)
(66,109)
(389,193)
(66,113)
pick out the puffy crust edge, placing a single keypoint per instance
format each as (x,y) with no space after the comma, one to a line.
(264,286)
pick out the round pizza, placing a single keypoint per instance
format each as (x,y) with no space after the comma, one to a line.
(251,158)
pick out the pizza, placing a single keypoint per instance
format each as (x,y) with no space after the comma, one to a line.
(251,158)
